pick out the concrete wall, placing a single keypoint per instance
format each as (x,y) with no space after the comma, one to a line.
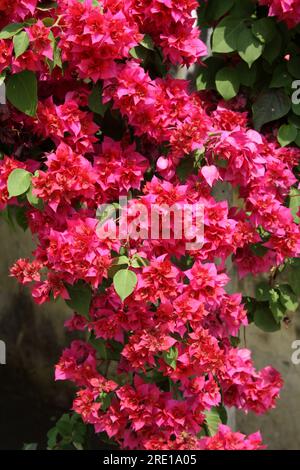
(34,335)
(280,427)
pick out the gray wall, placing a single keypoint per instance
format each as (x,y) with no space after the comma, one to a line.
(280,427)
(34,335)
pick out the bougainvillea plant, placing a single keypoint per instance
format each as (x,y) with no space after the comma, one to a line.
(94,112)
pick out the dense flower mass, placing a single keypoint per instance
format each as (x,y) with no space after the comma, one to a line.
(285,10)
(17,10)
(171,26)
(112,120)
(225,439)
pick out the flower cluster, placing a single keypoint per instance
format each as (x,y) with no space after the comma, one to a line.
(17,10)
(67,119)
(285,10)
(171,26)
(109,124)
(119,168)
(225,439)
(93,38)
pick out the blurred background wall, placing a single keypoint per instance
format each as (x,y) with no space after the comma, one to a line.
(280,427)
(30,400)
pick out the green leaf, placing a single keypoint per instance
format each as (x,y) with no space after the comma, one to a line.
(18,182)
(33,200)
(147,42)
(125,282)
(138,52)
(105,401)
(227,82)
(293,66)
(80,298)
(258,249)
(105,213)
(264,319)
(287,133)
(223,413)
(47,6)
(234,341)
(139,262)
(64,425)
(57,60)
(114,350)
(21,219)
(295,120)
(249,48)
(21,91)
(21,43)
(295,203)
(296,109)
(52,437)
(216,9)
(117,264)
(95,101)
(294,279)
(213,420)
(185,168)
(203,79)
(170,357)
(48,21)
(264,29)
(288,298)
(30,446)
(273,49)
(262,291)
(225,35)
(121,260)
(10,30)
(250,305)
(281,77)
(207,72)
(247,76)
(100,346)
(270,105)
(276,306)
(2,78)
(242,9)
(69,431)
